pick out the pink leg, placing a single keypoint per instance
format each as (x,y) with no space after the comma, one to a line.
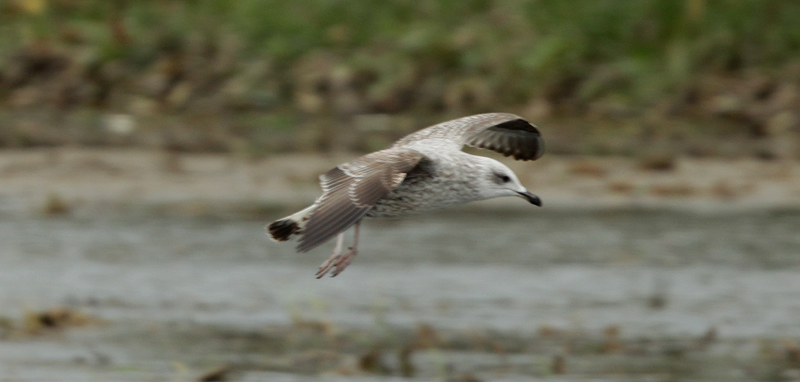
(339,261)
(328,263)
(345,259)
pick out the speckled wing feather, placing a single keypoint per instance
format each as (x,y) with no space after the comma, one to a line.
(504,133)
(351,189)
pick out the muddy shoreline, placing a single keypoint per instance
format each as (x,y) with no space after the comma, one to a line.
(101,181)
(144,265)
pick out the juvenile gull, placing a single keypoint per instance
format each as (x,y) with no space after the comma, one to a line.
(421,172)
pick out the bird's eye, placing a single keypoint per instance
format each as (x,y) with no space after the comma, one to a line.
(505,178)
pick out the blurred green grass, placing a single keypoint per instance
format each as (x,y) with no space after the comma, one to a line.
(640,49)
(435,57)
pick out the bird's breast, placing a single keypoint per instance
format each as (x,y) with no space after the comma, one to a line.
(419,194)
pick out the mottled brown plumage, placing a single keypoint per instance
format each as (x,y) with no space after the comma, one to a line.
(423,171)
(351,189)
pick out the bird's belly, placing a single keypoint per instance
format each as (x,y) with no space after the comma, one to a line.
(407,201)
(398,208)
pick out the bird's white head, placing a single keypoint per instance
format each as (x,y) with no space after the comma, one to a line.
(496,179)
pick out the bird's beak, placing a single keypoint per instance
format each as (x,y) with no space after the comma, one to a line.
(531,198)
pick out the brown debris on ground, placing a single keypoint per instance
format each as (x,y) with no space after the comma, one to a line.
(219,374)
(38,322)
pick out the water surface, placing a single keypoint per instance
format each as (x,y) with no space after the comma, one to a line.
(181,295)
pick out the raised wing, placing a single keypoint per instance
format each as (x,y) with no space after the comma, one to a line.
(505,133)
(351,189)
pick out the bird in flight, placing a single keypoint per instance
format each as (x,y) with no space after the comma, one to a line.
(421,172)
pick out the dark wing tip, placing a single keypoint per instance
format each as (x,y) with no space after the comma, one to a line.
(517,137)
(533,151)
(518,124)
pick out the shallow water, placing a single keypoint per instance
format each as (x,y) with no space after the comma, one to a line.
(180,295)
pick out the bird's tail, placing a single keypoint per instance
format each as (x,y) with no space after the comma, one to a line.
(290,226)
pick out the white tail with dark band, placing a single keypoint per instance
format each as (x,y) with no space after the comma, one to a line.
(290,226)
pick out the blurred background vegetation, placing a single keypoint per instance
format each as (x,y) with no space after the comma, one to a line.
(694,77)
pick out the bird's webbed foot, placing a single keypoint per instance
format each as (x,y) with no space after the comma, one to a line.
(337,262)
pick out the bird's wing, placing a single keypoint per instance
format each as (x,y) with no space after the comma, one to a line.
(351,189)
(504,133)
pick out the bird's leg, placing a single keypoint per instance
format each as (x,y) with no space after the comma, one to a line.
(345,259)
(328,263)
(338,260)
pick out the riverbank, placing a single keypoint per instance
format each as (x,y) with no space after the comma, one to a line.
(694,78)
(102,181)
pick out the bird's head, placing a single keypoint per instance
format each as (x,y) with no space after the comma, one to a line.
(496,179)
